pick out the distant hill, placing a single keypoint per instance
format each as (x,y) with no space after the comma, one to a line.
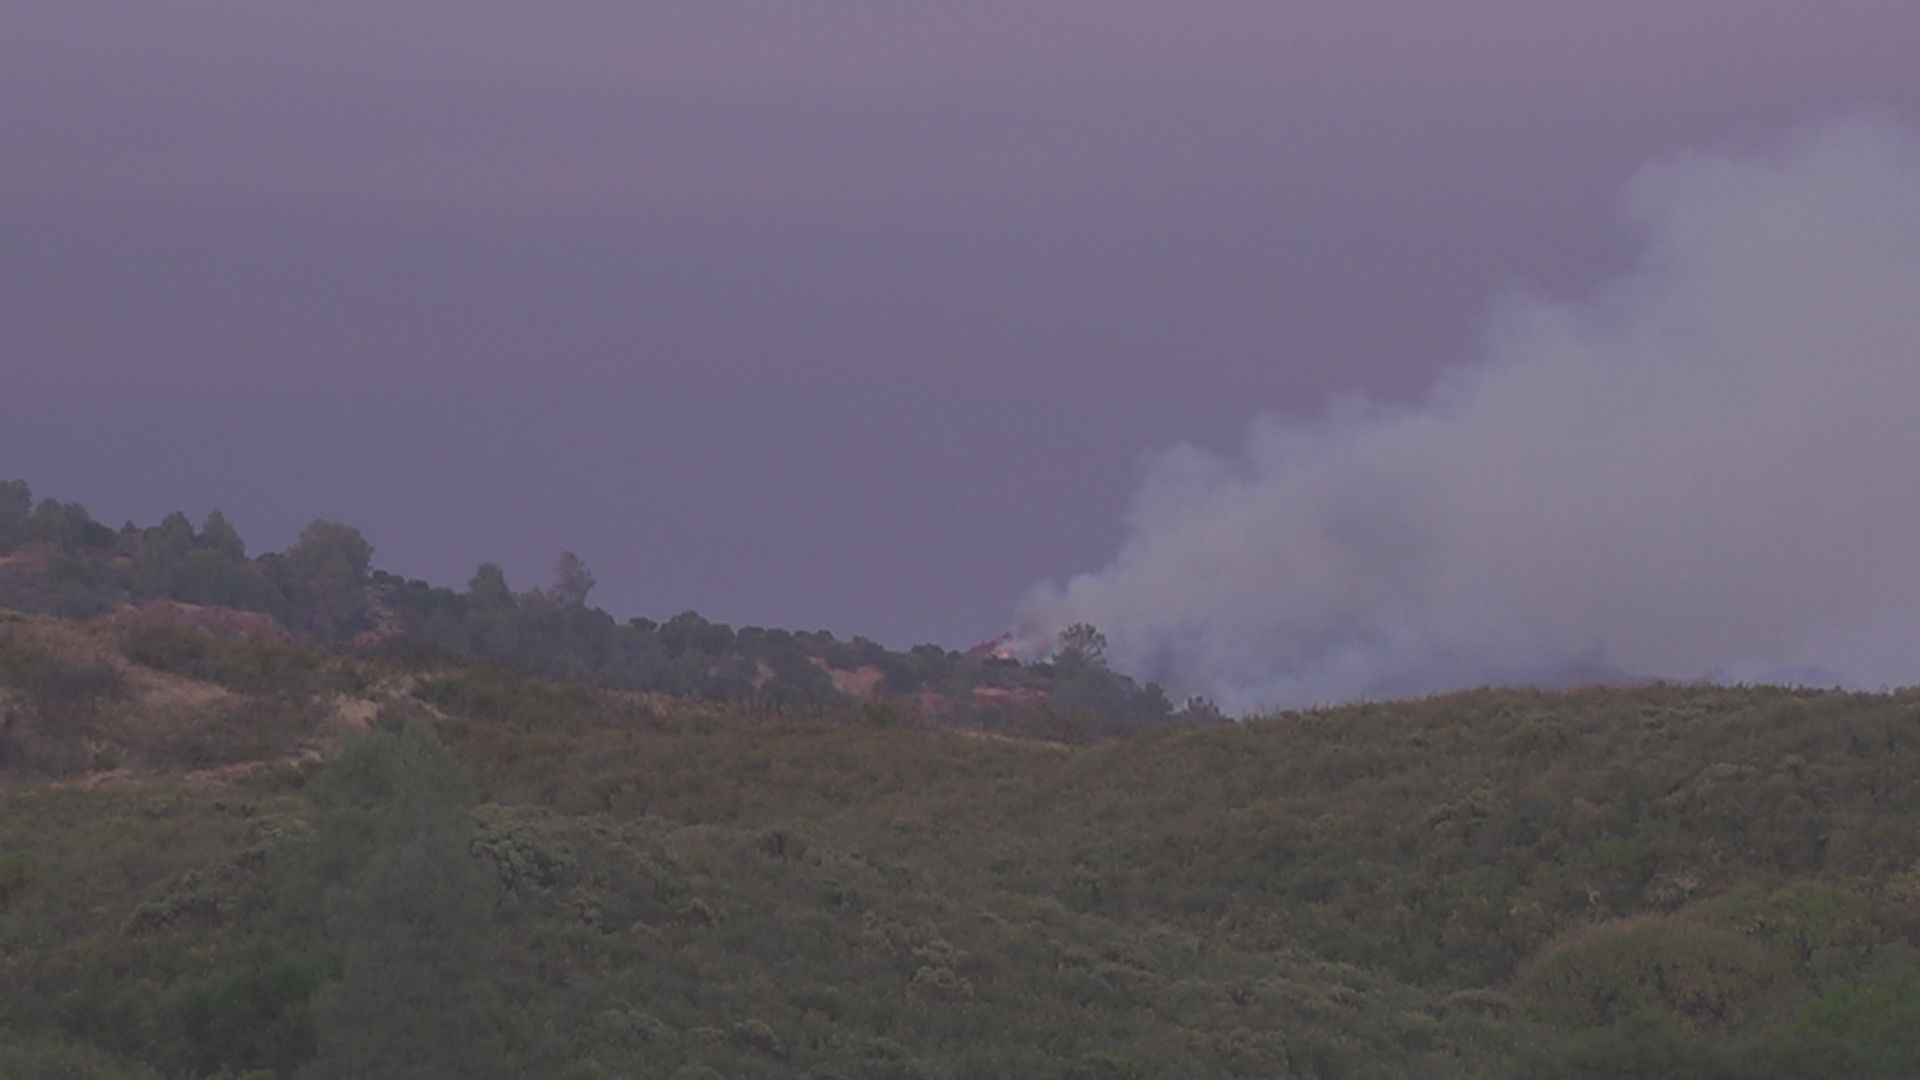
(325,591)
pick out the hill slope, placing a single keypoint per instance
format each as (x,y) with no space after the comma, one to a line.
(325,592)
(219,854)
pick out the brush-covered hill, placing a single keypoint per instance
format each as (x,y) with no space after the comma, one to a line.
(325,592)
(224,853)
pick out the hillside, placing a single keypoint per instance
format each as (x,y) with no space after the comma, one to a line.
(324,591)
(238,855)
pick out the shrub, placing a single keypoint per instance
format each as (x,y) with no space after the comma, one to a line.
(47,1060)
(252,666)
(1604,974)
(50,703)
(256,1015)
(61,689)
(250,729)
(17,871)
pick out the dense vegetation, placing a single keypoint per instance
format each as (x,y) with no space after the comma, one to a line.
(230,853)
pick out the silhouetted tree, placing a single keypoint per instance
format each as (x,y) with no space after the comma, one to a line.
(1084,641)
(1200,710)
(16,505)
(488,590)
(67,525)
(175,531)
(326,578)
(572,581)
(689,631)
(218,534)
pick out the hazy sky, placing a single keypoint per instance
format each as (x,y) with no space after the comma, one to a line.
(850,315)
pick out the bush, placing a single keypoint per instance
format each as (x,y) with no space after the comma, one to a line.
(1644,1049)
(61,689)
(50,703)
(17,871)
(46,1060)
(256,1015)
(1608,973)
(1874,1027)
(253,666)
(248,729)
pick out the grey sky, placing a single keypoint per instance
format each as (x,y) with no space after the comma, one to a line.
(848,315)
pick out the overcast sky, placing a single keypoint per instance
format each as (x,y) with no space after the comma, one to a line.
(849,315)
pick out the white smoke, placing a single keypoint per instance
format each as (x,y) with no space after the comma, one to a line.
(1708,468)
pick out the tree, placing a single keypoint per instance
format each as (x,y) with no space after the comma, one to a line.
(256,1017)
(176,532)
(492,609)
(218,534)
(328,549)
(1084,641)
(207,576)
(326,577)
(1200,710)
(572,581)
(689,631)
(410,911)
(67,525)
(488,590)
(16,505)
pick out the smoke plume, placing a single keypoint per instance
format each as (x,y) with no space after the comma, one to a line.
(1708,468)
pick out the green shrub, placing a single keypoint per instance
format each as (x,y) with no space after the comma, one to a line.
(1876,1022)
(233,732)
(35,1059)
(1642,1049)
(51,703)
(17,871)
(252,666)
(256,1015)
(1692,974)
(60,689)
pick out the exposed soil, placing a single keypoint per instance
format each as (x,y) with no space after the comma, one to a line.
(861,684)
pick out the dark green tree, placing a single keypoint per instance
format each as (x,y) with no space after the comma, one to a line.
(66,525)
(16,505)
(257,1015)
(409,910)
(492,611)
(488,590)
(162,553)
(1084,642)
(326,580)
(572,581)
(218,534)
(176,532)
(689,631)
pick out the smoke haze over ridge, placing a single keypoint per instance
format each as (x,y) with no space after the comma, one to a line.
(1708,468)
